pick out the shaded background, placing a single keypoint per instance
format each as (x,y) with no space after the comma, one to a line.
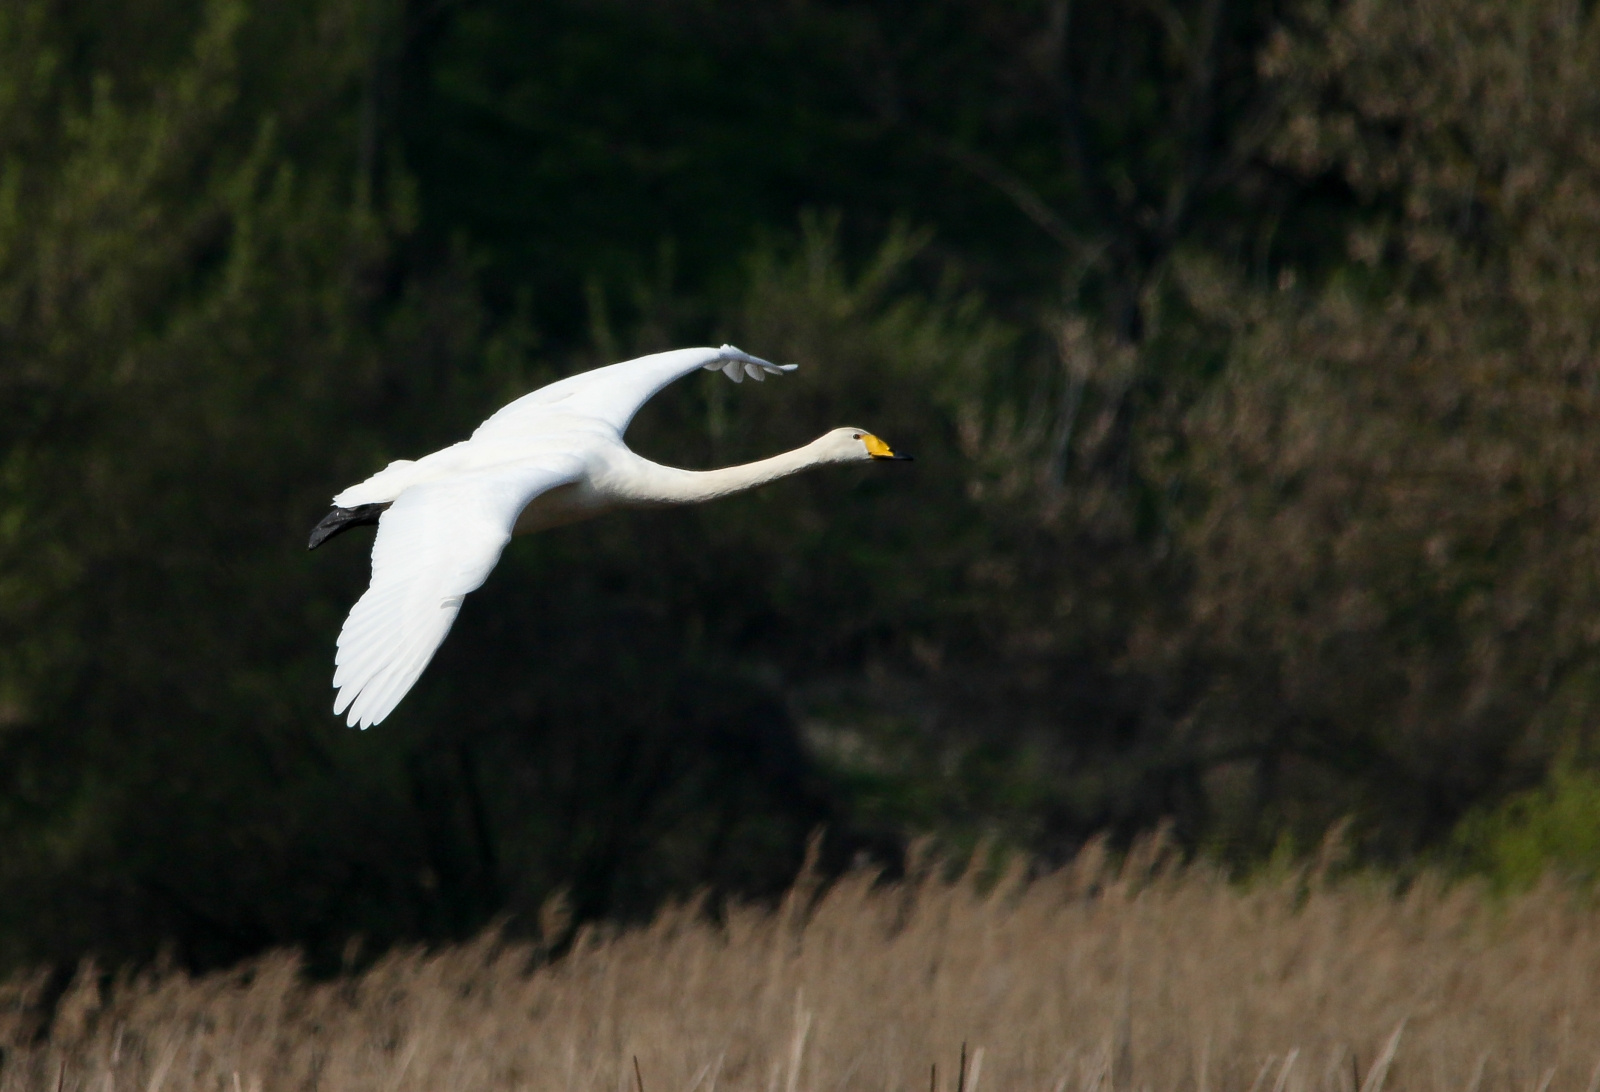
(1247,350)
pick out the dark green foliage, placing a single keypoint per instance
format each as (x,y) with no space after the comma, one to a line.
(1247,358)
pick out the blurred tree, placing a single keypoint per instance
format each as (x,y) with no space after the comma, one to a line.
(1246,357)
(203,318)
(1388,509)
(1315,543)
(183,323)
(611,165)
(1061,150)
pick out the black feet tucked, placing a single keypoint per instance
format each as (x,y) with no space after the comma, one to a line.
(340,520)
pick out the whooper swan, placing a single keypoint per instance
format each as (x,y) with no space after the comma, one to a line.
(552,457)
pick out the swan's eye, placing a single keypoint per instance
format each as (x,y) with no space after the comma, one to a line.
(858,436)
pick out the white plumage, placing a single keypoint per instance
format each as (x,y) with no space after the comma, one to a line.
(551,457)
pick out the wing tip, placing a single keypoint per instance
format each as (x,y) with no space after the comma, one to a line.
(735,363)
(361,715)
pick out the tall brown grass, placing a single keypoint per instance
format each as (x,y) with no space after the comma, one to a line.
(1093,978)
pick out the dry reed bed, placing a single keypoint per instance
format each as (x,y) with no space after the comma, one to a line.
(1087,980)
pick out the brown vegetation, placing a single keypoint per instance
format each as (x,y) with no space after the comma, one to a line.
(1095,977)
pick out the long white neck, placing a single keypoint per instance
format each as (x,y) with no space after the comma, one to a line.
(657,484)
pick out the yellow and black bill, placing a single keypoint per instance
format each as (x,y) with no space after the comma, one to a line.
(880,450)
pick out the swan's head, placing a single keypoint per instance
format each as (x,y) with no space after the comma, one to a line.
(856,445)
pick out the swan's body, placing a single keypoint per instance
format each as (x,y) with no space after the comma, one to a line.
(552,457)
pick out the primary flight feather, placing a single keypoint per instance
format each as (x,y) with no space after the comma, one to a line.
(552,457)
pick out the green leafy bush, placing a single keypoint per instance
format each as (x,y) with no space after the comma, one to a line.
(1554,828)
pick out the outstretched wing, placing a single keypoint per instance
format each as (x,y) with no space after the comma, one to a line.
(613,394)
(436,543)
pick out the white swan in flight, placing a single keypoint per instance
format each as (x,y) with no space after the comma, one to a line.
(552,457)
